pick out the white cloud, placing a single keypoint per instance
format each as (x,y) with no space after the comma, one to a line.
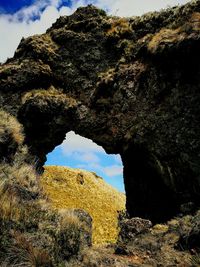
(117,159)
(113,170)
(75,143)
(88,155)
(27,13)
(21,24)
(110,171)
(85,156)
(136,7)
(14,27)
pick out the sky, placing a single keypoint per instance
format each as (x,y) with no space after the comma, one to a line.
(83,153)
(23,18)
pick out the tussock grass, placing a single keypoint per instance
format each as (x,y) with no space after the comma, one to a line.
(51,93)
(171,36)
(18,187)
(69,219)
(74,188)
(23,254)
(23,176)
(165,36)
(10,129)
(119,27)
(9,203)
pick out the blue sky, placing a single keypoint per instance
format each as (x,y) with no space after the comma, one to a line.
(23,18)
(11,6)
(80,152)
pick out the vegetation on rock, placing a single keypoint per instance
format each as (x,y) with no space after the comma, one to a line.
(130,85)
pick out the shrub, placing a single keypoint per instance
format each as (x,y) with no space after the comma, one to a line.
(69,236)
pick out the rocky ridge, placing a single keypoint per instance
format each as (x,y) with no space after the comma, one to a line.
(129,84)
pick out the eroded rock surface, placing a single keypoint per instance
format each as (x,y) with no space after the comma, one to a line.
(130,84)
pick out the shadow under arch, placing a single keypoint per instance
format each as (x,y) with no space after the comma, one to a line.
(46,122)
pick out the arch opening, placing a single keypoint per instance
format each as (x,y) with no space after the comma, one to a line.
(82,153)
(78,174)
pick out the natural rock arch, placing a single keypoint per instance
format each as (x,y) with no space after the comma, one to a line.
(130,85)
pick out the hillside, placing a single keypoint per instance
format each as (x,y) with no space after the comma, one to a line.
(75,188)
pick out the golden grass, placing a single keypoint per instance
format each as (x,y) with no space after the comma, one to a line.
(74,188)
(160,229)
(170,36)
(50,93)
(165,36)
(195,21)
(119,27)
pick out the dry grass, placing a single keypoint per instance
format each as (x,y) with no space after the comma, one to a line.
(23,254)
(17,184)
(22,175)
(73,188)
(26,177)
(165,36)
(195,21)
(172,36)
(42,45)
(68,218)
(9,204)
(160,229)
(10,128)
(50,93)
(119,27)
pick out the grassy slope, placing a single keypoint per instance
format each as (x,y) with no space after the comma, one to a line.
(75,188)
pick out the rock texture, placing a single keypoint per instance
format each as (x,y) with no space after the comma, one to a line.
(175,243)
(130,84)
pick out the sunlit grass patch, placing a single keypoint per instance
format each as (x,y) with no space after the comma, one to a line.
(92,194)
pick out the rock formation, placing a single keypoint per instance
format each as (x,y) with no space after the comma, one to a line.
(132,85)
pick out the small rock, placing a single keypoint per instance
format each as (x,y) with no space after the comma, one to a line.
(132,227)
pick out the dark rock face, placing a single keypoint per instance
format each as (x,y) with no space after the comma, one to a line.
(131,85)
(86,223)
(129,230)
(75,233)
(132,227)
